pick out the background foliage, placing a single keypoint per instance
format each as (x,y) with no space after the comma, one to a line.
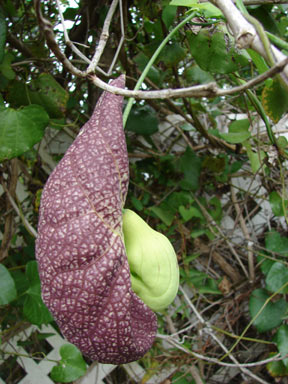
(207,172)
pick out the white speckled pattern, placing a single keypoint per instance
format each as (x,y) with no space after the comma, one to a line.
(80,249)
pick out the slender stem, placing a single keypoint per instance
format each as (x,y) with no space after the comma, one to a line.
(277,41)
(150,63)
(260,30)
(254,319)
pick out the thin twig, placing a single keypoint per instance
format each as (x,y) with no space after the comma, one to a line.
(27,225)
(67,39)
(208,330)
(205,90)
(212,360)
(47,29)
(246,235)
(8,226)
(211,223)
(103,38)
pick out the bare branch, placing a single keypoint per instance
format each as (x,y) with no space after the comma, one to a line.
(178,345)
(208,330)
(246,235)
(206,90)
(243,31)
(47,29)
(66,37)
(103,38)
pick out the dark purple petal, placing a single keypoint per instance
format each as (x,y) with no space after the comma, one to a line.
(80,249)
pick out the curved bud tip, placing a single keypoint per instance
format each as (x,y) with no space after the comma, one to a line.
(152,260)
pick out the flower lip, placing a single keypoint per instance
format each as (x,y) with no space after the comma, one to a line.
(152,260)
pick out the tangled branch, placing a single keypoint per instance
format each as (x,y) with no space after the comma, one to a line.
(244,32)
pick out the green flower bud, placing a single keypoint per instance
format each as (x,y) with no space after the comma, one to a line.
(152,261)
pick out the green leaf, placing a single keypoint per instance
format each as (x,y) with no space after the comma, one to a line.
(216,211)
(213,53)
(143,121)
(190,165)
(198,232)
(176,199)
(281,339)
(6,68)
(235,137)
(202,282)
(7,286)
(183,3)
(188,213)
(21,129)
(275,100)
(282,142)
(33,276)
(210,287)
(21,282)
(277,368)
(196,75)
(266,264)
(273,313)
(258,60)
(238,132)
(168,15)
(163,213)
(18,94)
(35,311)
(2,35)
(209,9)
(277,277)
(276,203)
(33,307)
(172,54)
(137,204)
(71,366)
(255,158)
(276,243)
(48,93)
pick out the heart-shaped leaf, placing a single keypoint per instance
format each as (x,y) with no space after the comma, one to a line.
(277,204)
(271,316)
(33,307)
(277,277)
(80,248)
(213,52)
(70,367)
(275,100)
(276,243)
(21,129)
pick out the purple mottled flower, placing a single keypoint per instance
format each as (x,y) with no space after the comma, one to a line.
(80,250)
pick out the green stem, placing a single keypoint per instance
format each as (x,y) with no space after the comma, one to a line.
(277,41)
(254,319)
(259,108)
(260,30)
(154,57)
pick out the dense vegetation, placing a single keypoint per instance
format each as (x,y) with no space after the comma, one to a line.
(208,168)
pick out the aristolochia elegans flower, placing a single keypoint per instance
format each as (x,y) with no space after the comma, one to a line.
(83,266)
